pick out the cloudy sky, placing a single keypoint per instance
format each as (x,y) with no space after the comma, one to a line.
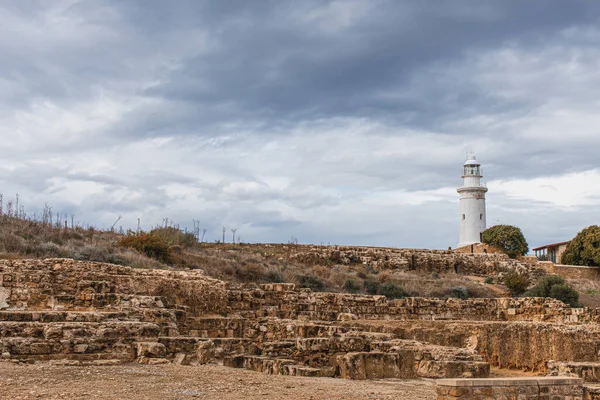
(342,121)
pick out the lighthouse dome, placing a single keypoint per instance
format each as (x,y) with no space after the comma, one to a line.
(472,161)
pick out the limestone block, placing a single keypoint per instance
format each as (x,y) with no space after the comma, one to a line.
(346,317)
(150,349)
(80,348)
(5,295)
(206,352)
(375,365)
(157,361)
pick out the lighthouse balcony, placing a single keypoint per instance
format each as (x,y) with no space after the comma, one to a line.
(481,188)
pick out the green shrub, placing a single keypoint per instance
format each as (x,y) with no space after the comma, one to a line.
(566,294)
(508,238)
(516,283)
(351,286)
(555,287)
(392,291)
(311,282)
(489,280)
(584,249)
(371,287)
(542,289)
(459,292)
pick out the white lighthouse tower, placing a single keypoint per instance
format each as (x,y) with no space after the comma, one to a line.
(472,203)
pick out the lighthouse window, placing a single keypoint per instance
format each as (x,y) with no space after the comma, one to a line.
(481,216)
(463,217)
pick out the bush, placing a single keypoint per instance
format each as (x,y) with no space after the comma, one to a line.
(555,287)
(351,286)
(311,282)
(584,249)
(372,270)
(175,236)
(246,272)
(516,283)
(566,294)
(489,280)
(542,289)
(13,243)
(508,238)
(371,287)
(151,245)
(459,292)
(274,277)
(392,291)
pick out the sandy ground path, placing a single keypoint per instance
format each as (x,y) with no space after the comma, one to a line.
(169,382)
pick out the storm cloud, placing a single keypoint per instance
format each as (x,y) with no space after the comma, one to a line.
(342,122)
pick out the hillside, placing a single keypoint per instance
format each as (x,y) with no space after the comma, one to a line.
(388,271)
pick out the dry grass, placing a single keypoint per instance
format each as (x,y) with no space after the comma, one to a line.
(241,263)
(21,238)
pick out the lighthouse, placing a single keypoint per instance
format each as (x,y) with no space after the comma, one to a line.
(472,203)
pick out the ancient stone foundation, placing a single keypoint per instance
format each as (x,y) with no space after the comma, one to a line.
(64,311)
(555,388)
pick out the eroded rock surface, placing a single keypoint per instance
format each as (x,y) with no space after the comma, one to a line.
(73,312)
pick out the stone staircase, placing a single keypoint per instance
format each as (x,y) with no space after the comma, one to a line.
(78,312)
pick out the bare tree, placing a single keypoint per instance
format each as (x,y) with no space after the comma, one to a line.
(196,229)
(112,228)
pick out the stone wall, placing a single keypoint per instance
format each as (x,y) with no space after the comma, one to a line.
(589,371)
(565,271)
(555,388)
(591,393)
(479,248)
(64,284)
(78,311)
(571,271)
(425,261)
(283,301)
(517,345)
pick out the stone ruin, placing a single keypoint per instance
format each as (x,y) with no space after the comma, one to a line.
(72,312)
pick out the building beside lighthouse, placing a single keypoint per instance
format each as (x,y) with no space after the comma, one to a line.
(472,203)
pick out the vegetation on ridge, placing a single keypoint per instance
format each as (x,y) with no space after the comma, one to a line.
(555,287)
(323,268)
(508,238)
(169,247)
(584,249)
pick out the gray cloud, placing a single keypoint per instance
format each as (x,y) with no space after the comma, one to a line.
(331,121)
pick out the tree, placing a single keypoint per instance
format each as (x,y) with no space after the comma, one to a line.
(555,287)
(584,249)
(508,238)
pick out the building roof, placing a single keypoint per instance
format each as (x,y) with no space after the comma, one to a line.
(550,245)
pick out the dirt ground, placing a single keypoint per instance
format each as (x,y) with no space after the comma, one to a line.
(170,382)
